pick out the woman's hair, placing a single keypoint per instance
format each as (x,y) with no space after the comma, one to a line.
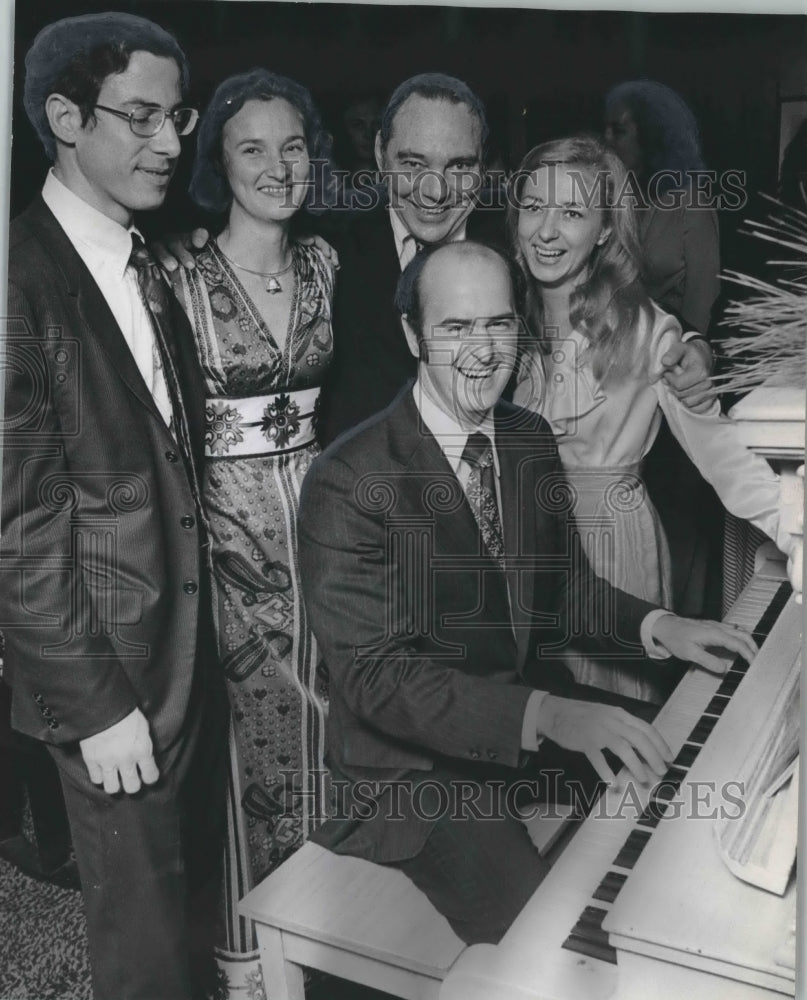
(209,187)
(667,130)
(607,306)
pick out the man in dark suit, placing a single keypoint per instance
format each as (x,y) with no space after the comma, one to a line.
(439,568)
(105,599)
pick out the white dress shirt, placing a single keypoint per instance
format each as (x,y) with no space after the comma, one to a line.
(105,246)
(452,438)
(406,244)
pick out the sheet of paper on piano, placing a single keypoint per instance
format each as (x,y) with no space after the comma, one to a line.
(760,845)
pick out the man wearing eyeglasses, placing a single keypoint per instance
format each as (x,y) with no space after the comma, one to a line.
(104,599)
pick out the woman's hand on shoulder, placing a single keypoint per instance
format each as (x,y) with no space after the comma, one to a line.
(178,249)
(324,248)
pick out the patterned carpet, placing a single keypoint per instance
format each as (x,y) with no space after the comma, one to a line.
(43,946)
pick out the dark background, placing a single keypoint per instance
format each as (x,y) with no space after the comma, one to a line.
(541,73)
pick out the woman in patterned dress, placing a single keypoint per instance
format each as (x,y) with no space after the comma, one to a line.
(260,306)
(592,367)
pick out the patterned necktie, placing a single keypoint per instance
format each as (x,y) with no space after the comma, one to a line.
(481,492)
(158,306)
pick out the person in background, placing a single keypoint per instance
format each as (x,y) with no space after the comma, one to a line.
(105,596)
(655,134)
(259,303)
(593,370)
(359,123)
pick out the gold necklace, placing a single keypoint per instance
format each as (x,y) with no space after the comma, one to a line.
(273,286)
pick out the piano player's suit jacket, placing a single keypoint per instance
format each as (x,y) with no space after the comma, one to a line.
(424,645)
(102,589)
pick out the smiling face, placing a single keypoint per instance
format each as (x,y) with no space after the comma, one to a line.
(433,162)
(467,344)
(265,157)
(108,166)
(557,232)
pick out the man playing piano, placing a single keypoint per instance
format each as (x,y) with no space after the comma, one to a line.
(440,574)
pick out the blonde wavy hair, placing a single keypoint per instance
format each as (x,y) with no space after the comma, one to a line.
(607,307)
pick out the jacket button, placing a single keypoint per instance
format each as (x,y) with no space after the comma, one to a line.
(187,521)
(190,587)
(493,755)
(39,699)
(172,456)
(475,754)
(53,724)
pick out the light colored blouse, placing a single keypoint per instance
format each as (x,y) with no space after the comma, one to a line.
(615,426)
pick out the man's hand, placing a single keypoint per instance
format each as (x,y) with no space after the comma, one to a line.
(590,728)
(114,756)
(687,367)
(176,249)
(691,640)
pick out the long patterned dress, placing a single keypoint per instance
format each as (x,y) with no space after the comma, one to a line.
(259,445)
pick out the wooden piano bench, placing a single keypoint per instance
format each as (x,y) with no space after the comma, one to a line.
(351,918)
(357,920)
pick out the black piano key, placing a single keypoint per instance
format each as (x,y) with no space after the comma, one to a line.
(631,849)
(591,949)
(608,889)
(653,813)
(588,938)
(717,705)
(702,730)
(666,790)
(729,684)
(686,756)
(768,619)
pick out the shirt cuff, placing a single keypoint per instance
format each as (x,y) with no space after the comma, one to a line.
(530,740)
(653,649)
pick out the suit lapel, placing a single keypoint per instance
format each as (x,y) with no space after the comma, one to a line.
(456,533)
(100,325)
(512,513)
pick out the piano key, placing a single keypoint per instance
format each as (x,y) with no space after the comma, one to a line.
(717,705)
(588,937)
(631,849)
(702,729)
(608,889)
(686,756)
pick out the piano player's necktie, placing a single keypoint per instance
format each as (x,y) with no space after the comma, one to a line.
(481,492)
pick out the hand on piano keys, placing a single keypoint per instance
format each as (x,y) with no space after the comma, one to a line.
(590,728)
(695,641)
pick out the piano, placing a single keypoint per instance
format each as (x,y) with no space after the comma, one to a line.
(639,906)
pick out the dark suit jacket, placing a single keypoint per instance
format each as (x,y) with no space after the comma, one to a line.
(371,358)
(414,621)
(102,570)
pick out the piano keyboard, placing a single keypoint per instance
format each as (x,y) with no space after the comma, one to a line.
(534,959)
(587,936)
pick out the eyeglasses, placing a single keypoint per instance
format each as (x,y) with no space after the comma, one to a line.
(146,122)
